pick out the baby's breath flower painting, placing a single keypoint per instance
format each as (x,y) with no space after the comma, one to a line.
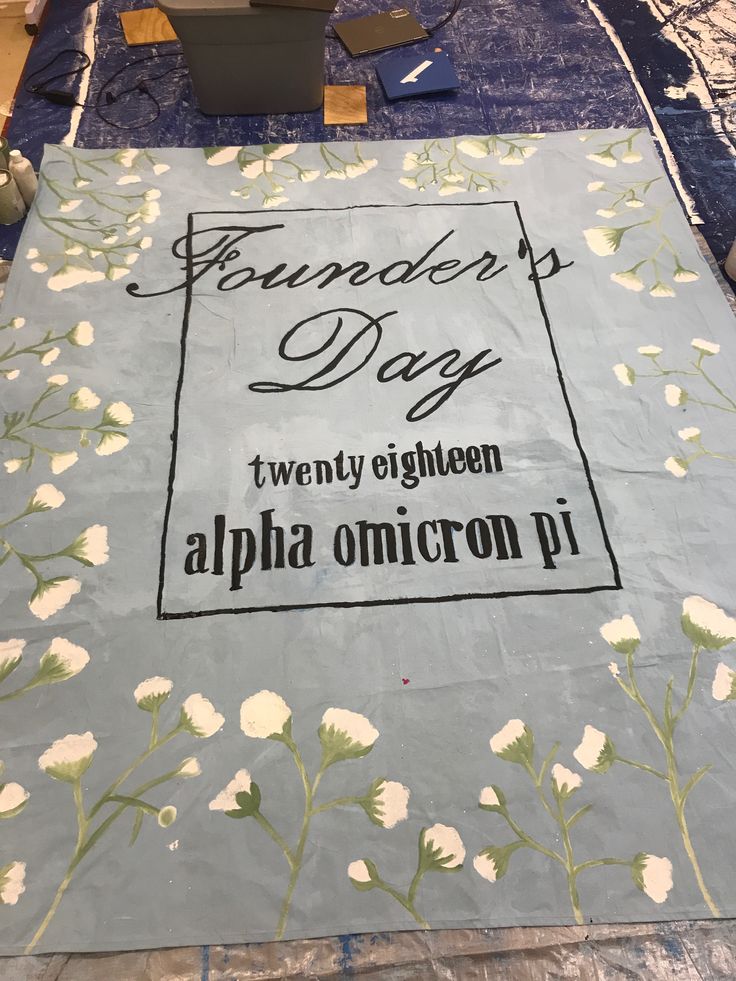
(708,628)
(690,389)
(556,789)
(343,735)
(97,209)
(454,166)
(269,170)
(440,850)
(67,760)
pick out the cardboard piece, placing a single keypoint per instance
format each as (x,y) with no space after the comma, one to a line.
(147,26)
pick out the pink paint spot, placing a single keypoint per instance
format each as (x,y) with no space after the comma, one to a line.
(405,681)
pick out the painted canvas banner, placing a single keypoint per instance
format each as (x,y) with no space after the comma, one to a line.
(366,552)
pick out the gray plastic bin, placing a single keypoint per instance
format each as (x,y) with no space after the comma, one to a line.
(245,60)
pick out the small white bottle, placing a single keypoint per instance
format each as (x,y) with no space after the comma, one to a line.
(12,207)
(25,176)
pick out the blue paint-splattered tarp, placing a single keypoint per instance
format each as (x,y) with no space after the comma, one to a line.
(365,556)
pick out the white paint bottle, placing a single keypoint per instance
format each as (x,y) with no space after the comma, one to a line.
(12,206)
(25,176)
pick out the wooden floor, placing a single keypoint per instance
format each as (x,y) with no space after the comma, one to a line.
(14,47)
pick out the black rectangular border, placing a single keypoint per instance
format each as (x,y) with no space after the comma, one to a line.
(406,600)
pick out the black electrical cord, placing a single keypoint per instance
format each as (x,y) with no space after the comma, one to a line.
(105,97)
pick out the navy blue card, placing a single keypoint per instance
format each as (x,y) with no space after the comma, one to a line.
(420,74)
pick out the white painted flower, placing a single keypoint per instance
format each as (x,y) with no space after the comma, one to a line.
(515,158)
(149,212)
(603,240)
(199,717)
(565,780)
(447,189)
(62,660)
(111,443)
(388,803)
(489,798)
(160,168)
(39,267)
(596,751)
(629,279)
(446,846)
(126,157)
(690,434)
(116,272)
(622,634)
(189,767)
(69,204)
(606,212)
(410,182)
(12,882)
(355,170)
(146,242)
(217,156)
(53,595)
(253,169)
(58,380)
(474,148)
(11,654)
(634,203)
(345,735)
(706,624)
(152,693)
(12,375)
(90,547)
(653,875)
(707,347)
(661,289)
(152,194)
(614,669)
(283,150)
(68,758)
(274,200)
(625,375)
(32,254)
(486,866)
(370,163)
(13,799)
(134,230)
(307,176)
(82,334)
(674,395)
(59,462)
(631,157)
(724,683)
(117,414)
(166,816)
(264,715)
(359,871)
(676,465)
(83,400)
(46,498)
(13,465)
(514,742)
(411,161)
(650,350)
(596,185)
(225,800)
(335,175)
(685,275)
(74,250)
(69,276)
(48,357)
(128,179)
(605,157)
(17,322)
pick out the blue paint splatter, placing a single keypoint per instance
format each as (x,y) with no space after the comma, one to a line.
(349,946)
(205,964)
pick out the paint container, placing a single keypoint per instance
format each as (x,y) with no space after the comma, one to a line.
(25,176)
(12,206)
(730,264)
(4,152)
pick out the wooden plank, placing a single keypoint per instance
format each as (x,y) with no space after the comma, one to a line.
(345,104)
(147,26)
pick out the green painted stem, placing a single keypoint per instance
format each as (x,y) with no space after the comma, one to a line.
(404,901)
(273,833)
(642,766)
(569,864)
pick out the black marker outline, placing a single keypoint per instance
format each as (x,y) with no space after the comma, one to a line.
(161,614)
